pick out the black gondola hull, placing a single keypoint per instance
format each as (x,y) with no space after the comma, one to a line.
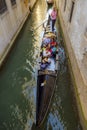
(44,94)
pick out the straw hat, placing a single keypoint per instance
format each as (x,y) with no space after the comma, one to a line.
(50,34)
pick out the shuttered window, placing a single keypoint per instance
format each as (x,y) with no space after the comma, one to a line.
(65,5)
(3,6)
(13,2)
(71,13)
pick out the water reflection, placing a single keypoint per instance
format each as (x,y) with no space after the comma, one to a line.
(29,91)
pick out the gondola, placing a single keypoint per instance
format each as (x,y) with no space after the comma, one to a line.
(46,82)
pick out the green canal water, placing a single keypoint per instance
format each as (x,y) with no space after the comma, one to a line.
(18,84)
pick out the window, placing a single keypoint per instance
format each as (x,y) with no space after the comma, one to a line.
(65,5)
(71,13)
(3,6)
(13,2)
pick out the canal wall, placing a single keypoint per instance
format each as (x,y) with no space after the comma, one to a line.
(72,17)
(11,22)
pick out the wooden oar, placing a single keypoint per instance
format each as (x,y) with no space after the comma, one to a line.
(40,24)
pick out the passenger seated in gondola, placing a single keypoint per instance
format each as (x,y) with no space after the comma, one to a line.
(47,51)
(46,40)
(53,46)
(54,51)
(43,48)
(45,62)
(53,43)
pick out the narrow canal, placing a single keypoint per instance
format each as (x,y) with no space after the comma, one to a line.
(18,84)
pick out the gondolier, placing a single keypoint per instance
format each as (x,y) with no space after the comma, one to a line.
(53,17)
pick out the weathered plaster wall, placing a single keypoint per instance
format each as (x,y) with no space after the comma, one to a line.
(75,35)
(11,23)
